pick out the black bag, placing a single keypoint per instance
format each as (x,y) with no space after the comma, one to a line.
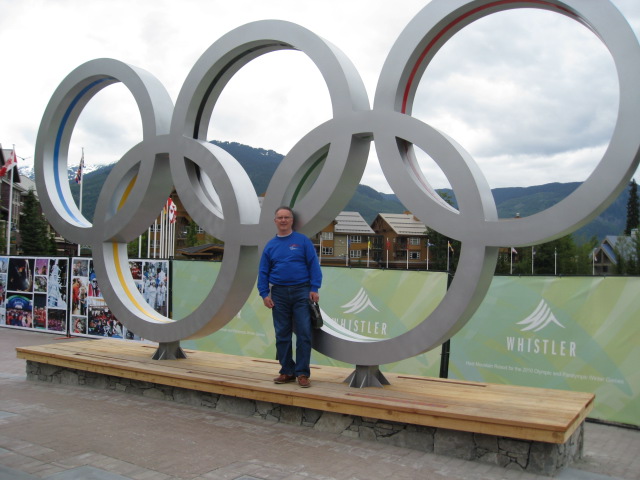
(316,316)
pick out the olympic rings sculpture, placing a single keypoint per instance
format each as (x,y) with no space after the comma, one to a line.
(320,173)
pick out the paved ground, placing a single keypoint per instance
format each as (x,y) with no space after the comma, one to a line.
(64,433)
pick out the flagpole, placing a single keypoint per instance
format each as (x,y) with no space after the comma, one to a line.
(320,251)
(448,248)
(10,205)
(149,242)
(155,235)
(511,265)
(427,253)
(79,175)
(173,236)
(533,254)
(388,252)
(163,232)
(346,257)
(368,250)
(167,235)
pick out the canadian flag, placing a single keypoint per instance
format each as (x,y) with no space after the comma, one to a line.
(11,162)
(172,209)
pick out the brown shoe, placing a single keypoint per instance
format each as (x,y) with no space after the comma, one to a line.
(304,381)
(283,378)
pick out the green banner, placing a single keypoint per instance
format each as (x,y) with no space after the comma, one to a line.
(569,333)
(358,303)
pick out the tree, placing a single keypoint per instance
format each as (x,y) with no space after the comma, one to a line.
(633,208)
(191,239)
(442,247)
(132,247)
(34,235)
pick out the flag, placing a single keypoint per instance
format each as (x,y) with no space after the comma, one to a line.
(388,244)
(11,162)
(369,244)
(78,177)
(513,250)
(172,209)
(450,247)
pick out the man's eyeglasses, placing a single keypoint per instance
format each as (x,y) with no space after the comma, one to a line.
(283,218)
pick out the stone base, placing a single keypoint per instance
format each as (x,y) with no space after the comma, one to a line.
(531,456)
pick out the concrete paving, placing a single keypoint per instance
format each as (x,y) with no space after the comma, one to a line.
(58,432)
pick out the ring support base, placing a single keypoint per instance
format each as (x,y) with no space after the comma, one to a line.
(169,351)
(366,376)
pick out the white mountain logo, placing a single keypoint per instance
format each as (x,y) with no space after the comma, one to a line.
(359,303)
(539,319)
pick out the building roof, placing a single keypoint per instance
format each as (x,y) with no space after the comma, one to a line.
(404,223)
(612,245)
(352,222)
(27,184)
(208,250)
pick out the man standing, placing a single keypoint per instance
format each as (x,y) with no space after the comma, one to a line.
(289,277)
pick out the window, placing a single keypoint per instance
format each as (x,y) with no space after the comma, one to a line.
(327,236)
(414,255)
(327,251)
(414,241)
(355,238)
(355,253)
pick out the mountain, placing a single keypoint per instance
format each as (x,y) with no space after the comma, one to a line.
(261,164)
(28,171)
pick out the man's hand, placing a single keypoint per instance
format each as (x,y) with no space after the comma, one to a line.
(314,296)
(268,302)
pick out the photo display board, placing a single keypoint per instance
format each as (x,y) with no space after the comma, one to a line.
(33,293)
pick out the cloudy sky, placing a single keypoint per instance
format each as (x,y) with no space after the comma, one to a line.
(531,95)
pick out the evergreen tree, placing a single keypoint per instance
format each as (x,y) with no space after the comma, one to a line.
(633,208)
(192,234)
(34,236)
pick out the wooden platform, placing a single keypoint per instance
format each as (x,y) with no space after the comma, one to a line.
(535,414)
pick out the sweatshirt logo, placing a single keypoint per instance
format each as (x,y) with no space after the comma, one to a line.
(294,246)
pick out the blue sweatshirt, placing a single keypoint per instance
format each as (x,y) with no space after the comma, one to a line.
(289,260)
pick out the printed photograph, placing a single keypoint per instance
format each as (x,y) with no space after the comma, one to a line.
(79,289)
(79,324)
(40,311)
(20,311)
(40,284)
(136,269)
(57,284)
(20,275)
(101,321)
(41,266)
(80,267)
(3,288)
(57,320)
(94,288)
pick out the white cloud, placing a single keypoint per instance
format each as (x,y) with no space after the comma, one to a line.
(520,90)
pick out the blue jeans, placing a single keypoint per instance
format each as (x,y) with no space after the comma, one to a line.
(291,314)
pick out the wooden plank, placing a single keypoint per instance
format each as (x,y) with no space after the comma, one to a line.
(517,412)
